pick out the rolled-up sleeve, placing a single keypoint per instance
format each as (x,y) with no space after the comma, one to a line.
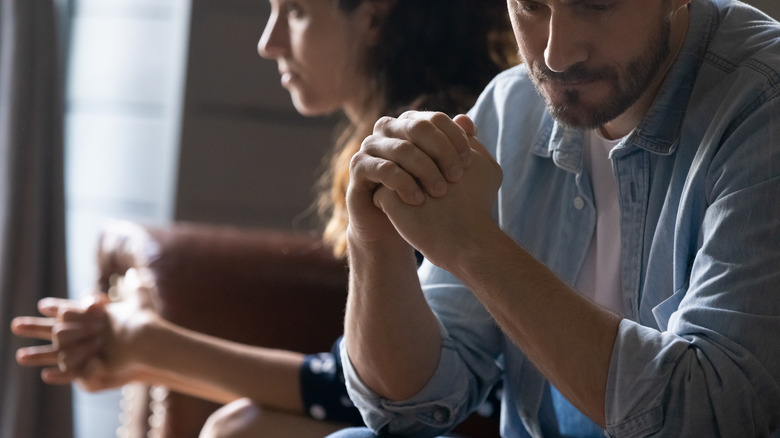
(714,369)
(467,368)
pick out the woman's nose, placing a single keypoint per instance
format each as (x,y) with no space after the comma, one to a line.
(274,41)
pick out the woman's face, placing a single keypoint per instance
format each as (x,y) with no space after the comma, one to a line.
(320,51)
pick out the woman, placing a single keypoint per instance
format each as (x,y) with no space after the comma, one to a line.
(365,58)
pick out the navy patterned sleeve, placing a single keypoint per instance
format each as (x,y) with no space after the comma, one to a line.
(323,390)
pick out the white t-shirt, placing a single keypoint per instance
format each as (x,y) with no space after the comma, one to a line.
(599,279)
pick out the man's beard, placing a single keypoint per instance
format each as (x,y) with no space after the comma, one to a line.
(637,77)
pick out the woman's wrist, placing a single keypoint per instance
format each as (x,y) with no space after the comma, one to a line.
(135,335)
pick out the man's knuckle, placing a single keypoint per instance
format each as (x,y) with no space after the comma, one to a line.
(367,143)
(421,128)
(439,117)
(382,123)
(386,168)
(403,147)
(357,162)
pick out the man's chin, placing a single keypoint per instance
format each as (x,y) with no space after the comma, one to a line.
(574,116)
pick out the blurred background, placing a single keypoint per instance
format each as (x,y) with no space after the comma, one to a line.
(170,114)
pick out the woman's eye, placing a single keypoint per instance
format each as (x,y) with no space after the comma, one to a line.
(292,10)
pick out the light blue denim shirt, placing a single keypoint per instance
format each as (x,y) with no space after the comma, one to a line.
(699,186)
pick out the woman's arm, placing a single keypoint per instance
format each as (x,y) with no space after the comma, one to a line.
(105,345)
(206,366)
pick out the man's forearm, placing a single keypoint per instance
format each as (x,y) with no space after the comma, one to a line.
(392,337)
(567,337)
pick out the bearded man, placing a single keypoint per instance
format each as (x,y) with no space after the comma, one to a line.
(625,275)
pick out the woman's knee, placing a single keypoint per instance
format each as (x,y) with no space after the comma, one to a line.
(237,419)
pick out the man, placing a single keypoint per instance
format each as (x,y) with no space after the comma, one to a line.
(625,276)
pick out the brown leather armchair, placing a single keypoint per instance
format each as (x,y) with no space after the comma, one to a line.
(261,287)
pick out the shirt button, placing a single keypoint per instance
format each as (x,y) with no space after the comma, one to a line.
(579,203)
(441,415)
(318,412)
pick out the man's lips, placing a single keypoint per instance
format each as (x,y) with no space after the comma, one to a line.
(568,82)
(557,84)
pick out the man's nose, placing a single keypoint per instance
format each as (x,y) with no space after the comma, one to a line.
(565,45)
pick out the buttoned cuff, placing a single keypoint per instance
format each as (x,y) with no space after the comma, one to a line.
(434,410)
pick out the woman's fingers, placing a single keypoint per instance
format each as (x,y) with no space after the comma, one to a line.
(92,313)
(32,327)
(53,376)
(51,306)
(73,327)
(67,334)
(73,359)
(41,355)
(41,327)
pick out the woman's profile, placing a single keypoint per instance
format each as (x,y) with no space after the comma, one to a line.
(364,59)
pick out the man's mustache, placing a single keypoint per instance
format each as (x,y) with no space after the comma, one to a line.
(575,74)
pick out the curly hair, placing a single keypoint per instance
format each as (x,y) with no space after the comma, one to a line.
(431,55)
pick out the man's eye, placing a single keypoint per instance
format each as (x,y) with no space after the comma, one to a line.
(528,6)
(599,6)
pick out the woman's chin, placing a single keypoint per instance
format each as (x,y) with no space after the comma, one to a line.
(311,110)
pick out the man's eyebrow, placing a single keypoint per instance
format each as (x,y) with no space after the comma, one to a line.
(573,2)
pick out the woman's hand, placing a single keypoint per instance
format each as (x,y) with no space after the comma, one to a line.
(45,356)
(95,344)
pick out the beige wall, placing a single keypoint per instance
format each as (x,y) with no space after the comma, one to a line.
(247,158)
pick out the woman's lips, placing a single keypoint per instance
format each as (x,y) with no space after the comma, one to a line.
(286,78)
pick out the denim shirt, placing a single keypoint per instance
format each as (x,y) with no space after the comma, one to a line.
(699,184)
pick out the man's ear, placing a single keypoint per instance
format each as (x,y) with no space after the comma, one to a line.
(375,13)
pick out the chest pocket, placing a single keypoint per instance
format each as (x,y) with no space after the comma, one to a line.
(663,311)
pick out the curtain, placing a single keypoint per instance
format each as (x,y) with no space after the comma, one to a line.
(32,231)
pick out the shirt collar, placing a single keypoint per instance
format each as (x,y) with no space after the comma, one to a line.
(658,131)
